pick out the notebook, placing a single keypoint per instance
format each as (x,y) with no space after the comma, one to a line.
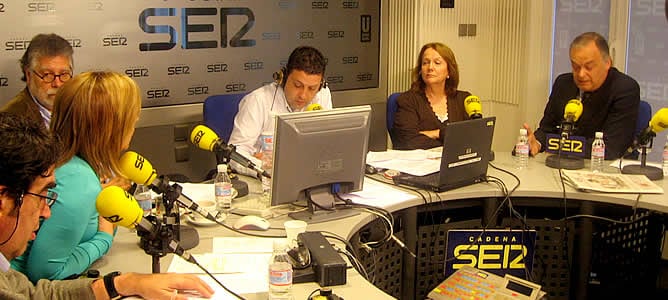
(466,153)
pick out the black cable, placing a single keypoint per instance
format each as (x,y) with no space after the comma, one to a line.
(16,224)
(194,261)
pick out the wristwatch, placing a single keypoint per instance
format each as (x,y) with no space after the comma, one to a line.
(110,287)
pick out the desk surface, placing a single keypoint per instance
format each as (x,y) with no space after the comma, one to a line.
(536,181)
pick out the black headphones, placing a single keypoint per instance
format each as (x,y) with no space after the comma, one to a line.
(281,78)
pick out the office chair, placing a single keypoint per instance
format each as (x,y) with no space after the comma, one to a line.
(219,112)
(391,110)
(644,115)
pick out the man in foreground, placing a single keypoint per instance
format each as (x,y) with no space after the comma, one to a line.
(27,162)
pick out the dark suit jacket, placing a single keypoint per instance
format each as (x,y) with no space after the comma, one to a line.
(612,109)
(414,114)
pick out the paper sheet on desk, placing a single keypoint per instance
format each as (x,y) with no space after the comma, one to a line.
(415,162)
(243,245)
(221,263)
(198,191)
(378,194)
(246,283)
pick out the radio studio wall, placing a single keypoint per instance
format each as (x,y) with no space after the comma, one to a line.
(181,51)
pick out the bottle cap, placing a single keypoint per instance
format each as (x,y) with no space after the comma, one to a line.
(222,168)
(599,135)
(523,131)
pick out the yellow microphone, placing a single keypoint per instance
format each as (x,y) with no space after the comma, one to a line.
(573,110)
(313,106)
(658,123)
(119,207)
(138,169)
(206,139)
(473,107)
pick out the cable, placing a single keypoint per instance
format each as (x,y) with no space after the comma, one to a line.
(194,261)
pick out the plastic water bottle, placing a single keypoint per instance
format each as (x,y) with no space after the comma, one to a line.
(665,158)
(280,273)
(267,148)
(522,150)
(597,153)
(223,189)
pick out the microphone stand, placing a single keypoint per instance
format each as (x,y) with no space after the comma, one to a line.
(155,243)
(564,162)
(653,173)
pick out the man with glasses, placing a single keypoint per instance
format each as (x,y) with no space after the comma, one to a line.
(27,162)
(47,64)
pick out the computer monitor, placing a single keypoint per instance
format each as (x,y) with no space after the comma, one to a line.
(318,154)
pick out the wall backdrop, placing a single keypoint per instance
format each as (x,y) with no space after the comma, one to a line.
(181,51)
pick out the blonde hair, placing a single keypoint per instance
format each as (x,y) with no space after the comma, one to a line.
(444,51)
(93,114)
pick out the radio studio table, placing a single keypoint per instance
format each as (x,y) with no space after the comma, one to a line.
(540,187)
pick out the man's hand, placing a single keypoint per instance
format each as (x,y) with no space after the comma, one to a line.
(156,286)
(534,145)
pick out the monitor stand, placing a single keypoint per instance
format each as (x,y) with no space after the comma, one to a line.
(321,202)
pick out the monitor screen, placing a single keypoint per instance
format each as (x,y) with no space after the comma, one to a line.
(318,154)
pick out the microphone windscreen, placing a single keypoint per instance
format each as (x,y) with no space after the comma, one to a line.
(472,105)
(136,168)
(203,137)
(119,207)
(659,121)
(573,109)
(313,106)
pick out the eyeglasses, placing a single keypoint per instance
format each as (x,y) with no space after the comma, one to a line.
(50,197)
(50,77)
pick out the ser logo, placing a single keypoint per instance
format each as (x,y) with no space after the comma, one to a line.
(364,76)
(188,27)
(136,72)
(305,35)
(334,79)
(235,87)
(253,65)
(339,34)
(198,90)
(75,43)
(350,4)
(41,6)
(113,41)
(271,35)
(349,59)
(157,93)
(365,28)
(4,81)
(216,68)
(95,5)
(178,70)
(16,45)
(320,5)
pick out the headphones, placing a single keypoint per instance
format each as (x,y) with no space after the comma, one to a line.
(281,78)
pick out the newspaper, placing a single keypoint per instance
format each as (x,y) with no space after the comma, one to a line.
(611,183)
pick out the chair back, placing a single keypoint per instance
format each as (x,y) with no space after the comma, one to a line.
(391,110)
(219,112)
(644,115)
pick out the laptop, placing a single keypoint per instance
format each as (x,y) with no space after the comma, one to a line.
(466,153)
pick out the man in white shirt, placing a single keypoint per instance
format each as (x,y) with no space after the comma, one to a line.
(297,85)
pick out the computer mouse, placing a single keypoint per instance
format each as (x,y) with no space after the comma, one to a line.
(369,169)
(251,223)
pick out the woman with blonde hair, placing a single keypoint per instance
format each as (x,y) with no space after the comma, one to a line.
(432,101)
(94,118)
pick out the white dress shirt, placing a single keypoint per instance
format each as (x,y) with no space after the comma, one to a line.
(255,117)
